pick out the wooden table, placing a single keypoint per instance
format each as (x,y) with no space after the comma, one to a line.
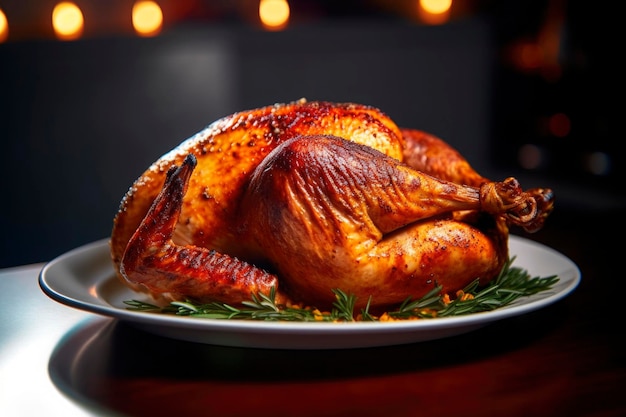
(564,360)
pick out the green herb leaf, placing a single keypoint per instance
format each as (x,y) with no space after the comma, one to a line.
(511,284)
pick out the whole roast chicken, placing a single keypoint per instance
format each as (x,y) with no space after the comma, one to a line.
(306,197)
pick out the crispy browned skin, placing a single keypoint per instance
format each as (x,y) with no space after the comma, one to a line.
(309,197)
(428,153)
(227,151)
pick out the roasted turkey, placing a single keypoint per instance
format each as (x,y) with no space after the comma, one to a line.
(308,197)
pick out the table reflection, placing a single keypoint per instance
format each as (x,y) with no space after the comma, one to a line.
(111,366)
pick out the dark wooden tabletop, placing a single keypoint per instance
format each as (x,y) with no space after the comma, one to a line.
(564,360)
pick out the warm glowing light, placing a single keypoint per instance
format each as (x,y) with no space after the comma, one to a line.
(147,18)
(67,21)
(528,56)
(436,6)
(4,27)
(434,12)
(274,14)
(559,125)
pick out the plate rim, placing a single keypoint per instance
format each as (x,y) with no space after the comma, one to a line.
(277,328)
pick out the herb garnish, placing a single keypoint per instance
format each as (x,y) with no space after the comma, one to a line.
(511,284)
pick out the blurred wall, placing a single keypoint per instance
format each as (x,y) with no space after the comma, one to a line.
(80,121)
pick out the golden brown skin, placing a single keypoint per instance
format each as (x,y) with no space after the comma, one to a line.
(310,197)
(227,151)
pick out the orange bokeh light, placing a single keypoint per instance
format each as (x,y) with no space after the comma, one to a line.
(147,18)
(67,21)
(274,14)
(434,12)
(4,27)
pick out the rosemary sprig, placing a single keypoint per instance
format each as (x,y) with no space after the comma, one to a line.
(511,284)
(343,306)
(260,307)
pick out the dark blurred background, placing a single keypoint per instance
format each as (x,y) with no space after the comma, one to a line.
(526,88)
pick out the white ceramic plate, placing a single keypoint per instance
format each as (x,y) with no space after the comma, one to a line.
(84,278)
